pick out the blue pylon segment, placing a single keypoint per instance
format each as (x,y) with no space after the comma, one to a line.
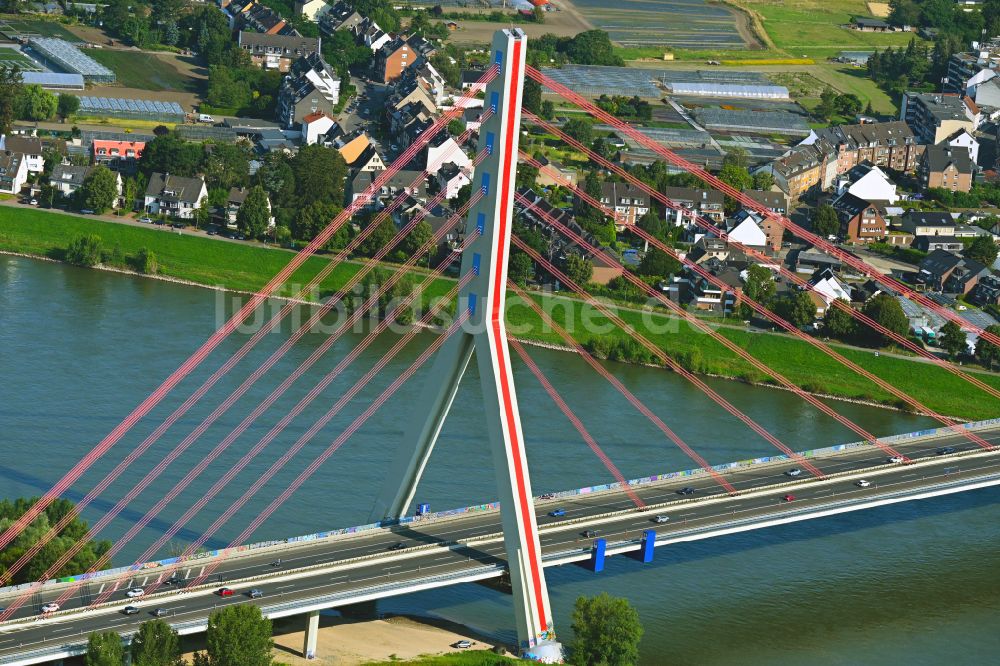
(646,547)
(597,553)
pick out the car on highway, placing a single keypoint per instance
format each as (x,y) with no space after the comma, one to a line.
(795,471)
(397,546)
(173,580)
(894,459)
(255,593)
(862,483)
(276,563)
(788,498)
(546,496)
(225,592)
(50,607)
(557,513)
(158,612)
(146,219)
(659,520)
(135,592)
(130,610)
(462,645)
(686,490)
(589,534)
(945,450)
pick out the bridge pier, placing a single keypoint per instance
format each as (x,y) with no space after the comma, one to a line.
(312,633)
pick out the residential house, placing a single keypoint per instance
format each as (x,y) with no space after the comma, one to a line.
(313,10)
(709,295)
(66,179)
(829,287)
(264,19)
(443,150)
(986,292)
(352,146)
(554,173)
(869,183)
(932,243)
(412,89)
(237,195)
(340,16)
(773,201)
(316,128)
(950,273)
(934,117)
(310,87)
(368,33)
(890,144)
(391,59)
(400,182)
(964,139)
(369,160)
(923,223)
(451,178)
(28,146)
(803,169)
(628,201)
(121,156)
(812,260)
(13,172)
(469,77)
(947,168)
(174,195)
(705,202)
(276,52)
(746,228)
(707,248)
(860,220)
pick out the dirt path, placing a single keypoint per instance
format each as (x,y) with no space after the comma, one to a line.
(568,22)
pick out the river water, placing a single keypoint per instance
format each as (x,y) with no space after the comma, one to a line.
(915,583)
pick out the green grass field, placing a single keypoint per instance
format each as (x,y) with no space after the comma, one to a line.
(42,27)
(813,27)
(246,268)
(10,57)
(144,71)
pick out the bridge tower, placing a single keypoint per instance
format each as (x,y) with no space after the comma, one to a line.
(484,332)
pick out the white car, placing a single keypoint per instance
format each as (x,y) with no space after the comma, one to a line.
(50,607)
(146,219)
(462,645)
(661,519)
(861,483)
(894,459)
(795,471)
(135,592)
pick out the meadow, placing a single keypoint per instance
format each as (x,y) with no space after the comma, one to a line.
(145,71)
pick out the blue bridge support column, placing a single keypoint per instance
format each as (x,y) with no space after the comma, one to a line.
(647,544)
(597,552)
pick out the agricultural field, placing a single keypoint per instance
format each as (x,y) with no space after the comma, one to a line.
(687,24)
(146,71)
(812,28)
(42,27)
(12,56)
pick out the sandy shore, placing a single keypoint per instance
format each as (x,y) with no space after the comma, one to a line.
(349,642)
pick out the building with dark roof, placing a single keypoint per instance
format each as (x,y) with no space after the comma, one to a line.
(948,168)
(174,195)
(934,117)
(890,144)
(860,221)
(311,86)
(628,201)
(276,52)
(950,273)
(705,202)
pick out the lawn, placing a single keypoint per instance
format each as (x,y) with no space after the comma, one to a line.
(248,268)
(146,71)
(812,27)
(45,28)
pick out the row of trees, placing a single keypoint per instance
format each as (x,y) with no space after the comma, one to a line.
(591,47)
(237,636)
(30,102)
(89,250)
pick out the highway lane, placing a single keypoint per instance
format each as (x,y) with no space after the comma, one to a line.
(311,553)
(557,537)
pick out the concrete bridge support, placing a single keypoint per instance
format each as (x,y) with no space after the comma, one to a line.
(312,633)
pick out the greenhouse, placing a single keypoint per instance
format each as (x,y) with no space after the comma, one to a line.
(139,109)
(776,122)
(66,57)
(729,90)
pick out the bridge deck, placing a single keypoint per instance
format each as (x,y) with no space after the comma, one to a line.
(322,574)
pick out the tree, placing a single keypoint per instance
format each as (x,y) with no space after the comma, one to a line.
(319,175)
(145,261)
(763,181)
(531,98)
(548,109)
(171,154)
(254,214)
(36,103)
(10,91)
(104,649)
(580,129)
(227,165)
(313,219)
(734,170)
(84,250)
(156,644)
(825,221)
(606,631)
(983,249)
(239,636)
(798,309)
(987,352)
(838,323)
(99,190)
(759,286)
(592,47)
(379,238)
(418,240)
(67,105)
(578,269)
(887,311)
(653,225)
(953,339)
(657,264)
(521,268)
(827,104)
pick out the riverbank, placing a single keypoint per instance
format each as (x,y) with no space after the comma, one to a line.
(246,268)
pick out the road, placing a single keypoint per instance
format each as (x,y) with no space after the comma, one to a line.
(469,544)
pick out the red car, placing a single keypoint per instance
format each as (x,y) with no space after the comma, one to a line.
(225,592)
(788,498)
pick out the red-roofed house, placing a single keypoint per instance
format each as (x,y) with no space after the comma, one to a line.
(118,155)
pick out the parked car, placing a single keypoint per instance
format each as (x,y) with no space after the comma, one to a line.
(462,645)
(795,471)
(661,519)
(557,513)
(130,610)
(686,490)
(33,202)
(135,592)
(86,211)
(225,592)
(788,498)
(50,607)
(862,483)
